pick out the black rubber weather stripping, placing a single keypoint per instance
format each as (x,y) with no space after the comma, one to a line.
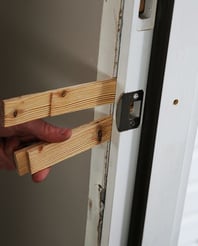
(150,119)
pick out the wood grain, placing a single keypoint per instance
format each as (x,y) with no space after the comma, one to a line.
(21,159)
(83,96)
(54,102)
(25,108)
(40,156)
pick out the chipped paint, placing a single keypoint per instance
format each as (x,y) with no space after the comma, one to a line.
(102,195)
(107,65)
(102,189)
(118,39)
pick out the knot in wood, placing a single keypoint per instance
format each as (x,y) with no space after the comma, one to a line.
(63,93)
(15,113)
(99,135)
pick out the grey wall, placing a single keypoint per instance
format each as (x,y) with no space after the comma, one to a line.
(47,44)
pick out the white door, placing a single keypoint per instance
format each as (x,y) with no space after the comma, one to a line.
(176,129)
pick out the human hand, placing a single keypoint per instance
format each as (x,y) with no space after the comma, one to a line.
(12,138)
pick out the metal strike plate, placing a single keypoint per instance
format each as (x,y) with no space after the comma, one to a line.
(129,107)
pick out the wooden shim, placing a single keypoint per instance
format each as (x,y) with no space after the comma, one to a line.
(21,159)
(21,109)
(43,155)
(54,102)
(82,96)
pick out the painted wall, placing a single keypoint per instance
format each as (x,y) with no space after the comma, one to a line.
(47,44)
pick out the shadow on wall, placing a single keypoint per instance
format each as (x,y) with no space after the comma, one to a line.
(47,44)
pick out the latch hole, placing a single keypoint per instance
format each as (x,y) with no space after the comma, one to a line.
(142,7)
(145,9)
(131,108)
(134,110)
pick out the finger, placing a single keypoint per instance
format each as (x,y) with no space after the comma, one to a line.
(11,144)
(44,131)
(7,147)
(7,131)
(41,175)
(2,155)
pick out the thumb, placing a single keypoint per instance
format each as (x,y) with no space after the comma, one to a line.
(44,131)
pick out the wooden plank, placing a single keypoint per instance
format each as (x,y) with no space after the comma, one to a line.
(24,108)
(21,159)
(35,158)
(54,102)
(83,96)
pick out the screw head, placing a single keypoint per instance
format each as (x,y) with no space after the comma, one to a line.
(135,96)
(132,123)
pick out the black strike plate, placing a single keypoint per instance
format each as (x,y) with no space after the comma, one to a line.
(129,109)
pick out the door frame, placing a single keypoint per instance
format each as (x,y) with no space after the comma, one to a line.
(124,53)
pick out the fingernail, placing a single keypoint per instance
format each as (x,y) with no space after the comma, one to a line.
(66,132)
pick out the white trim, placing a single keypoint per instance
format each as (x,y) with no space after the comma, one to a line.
(99,155)
(132,75)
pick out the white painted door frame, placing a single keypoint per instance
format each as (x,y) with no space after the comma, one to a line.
(124,52)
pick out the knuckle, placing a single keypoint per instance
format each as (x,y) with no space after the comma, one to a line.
(6,160)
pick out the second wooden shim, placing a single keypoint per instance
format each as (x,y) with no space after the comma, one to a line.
(40,156)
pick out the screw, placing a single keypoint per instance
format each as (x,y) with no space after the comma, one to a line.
(135,96)
(132,123)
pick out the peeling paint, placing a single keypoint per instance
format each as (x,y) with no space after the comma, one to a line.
(118,39)
(102,195)
(108,60)
(102,189)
